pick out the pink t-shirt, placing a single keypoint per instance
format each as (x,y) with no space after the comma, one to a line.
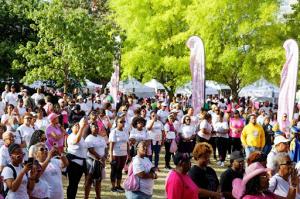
(50,139)
(239,123)
(180,186)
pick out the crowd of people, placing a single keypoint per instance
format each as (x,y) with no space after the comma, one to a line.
(47,134)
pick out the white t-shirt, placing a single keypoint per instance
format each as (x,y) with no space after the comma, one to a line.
(12,98)
(140,165)
(22,111)
(205,125)
(37,97)
(96,142)
(79,149)
(169,134)
(138,135)
(279,186)
(187,131)
(163,115)
(4,156)
(41,189)
(222,129)
(120,138)
(2,107)
(52,175)
(26,134)
(155,134)
(42,124)
(21,193)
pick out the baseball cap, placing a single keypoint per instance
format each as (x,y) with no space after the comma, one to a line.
(164,104)
(13,147)
(236,155)
(280,139)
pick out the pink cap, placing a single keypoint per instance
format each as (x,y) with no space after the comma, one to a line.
(239,185)
(52,116)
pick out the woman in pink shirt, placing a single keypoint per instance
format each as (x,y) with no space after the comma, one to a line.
(236,124)
(55,133)
(178,184)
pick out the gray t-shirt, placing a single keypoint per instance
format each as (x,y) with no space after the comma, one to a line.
(279,186)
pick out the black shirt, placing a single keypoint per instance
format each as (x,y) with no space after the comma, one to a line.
(204,178)
(226,179)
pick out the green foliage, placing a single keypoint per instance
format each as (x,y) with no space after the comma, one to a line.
(243,40)
(14,30)
(73,43)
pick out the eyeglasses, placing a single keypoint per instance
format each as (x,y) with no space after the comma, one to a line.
(43,149)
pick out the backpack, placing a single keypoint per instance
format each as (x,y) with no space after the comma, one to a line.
(5,192)
(131,182)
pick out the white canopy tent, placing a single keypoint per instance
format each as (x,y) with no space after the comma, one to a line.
(260,89)
(153,83)
(91,85)
(132,85)
(216,85)
(187,90)
(37,84)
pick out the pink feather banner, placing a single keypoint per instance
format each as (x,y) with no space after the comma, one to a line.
(288,84)
(197,67)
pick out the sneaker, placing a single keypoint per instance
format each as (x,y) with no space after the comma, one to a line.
(120,189)
(168,167)
(222,164)
(114,189)
(219,163)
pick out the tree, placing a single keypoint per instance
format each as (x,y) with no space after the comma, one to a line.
(73,43)
(154,46)
(243,41)
(14,30)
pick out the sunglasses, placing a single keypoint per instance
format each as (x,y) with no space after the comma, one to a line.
(287,163)
(187,119)
(43,149)
(124,110)
(122,122)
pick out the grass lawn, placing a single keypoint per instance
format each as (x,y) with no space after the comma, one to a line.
(159,184)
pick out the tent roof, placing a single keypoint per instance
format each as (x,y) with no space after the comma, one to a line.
(153,83)
(187,89)
(260,88)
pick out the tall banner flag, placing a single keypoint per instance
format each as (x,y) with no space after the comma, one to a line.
(288,82)
(197,67)
(115,78)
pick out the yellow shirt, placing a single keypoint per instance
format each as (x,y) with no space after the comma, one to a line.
(253,136)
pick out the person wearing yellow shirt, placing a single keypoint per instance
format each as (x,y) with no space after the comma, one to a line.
(253,136)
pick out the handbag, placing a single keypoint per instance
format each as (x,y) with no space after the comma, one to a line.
(173,147)
(131,182)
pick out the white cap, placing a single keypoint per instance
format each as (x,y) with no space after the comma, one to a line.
(174,111)
(79,97)
(164,104)
(280,139)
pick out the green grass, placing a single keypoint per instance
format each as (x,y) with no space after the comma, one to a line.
(159,184)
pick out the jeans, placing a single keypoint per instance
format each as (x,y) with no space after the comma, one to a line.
(267,148)
(75,172)
(250,149)
(155,151)
(136,195)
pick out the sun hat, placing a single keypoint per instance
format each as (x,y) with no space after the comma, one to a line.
(239,185)
(52,116)
(280,139)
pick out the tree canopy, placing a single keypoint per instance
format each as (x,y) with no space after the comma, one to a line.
(243,41)
(72,42)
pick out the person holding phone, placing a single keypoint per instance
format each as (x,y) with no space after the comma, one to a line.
(15,176)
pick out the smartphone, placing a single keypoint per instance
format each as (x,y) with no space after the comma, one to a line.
(29,161)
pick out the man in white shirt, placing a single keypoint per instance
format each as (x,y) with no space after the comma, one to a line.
(25,131)
(37,96)
(12,97)
(163,113)
(21,108)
